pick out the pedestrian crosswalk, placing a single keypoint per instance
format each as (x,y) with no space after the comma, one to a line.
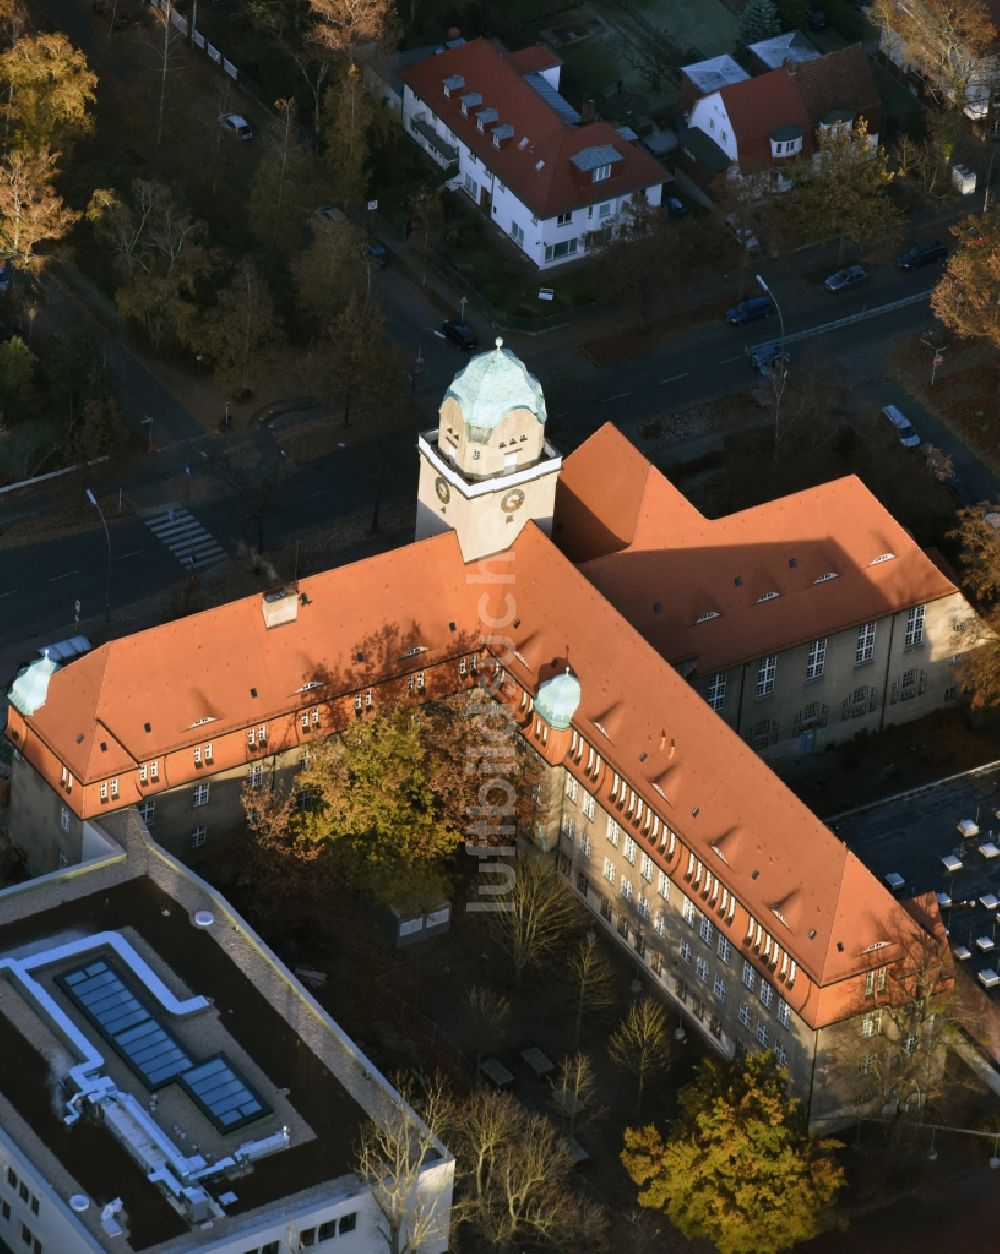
(187,539)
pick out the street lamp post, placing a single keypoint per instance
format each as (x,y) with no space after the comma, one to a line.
(148,422)
(778,372)
(107,536)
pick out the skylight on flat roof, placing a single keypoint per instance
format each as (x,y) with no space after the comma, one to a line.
(227,1100)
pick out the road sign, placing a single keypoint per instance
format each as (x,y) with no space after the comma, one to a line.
(372,206)
(938,360)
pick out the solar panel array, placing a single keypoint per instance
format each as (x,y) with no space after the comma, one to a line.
(222,1095)
(153,1053)
(122,1019)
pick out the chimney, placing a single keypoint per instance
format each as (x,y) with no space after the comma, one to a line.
(789,65)
(280,607)
(588,112)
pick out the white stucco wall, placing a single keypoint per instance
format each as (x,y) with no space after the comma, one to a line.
(709,115)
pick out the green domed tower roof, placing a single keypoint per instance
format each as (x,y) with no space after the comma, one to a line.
(490,386)
(558,700)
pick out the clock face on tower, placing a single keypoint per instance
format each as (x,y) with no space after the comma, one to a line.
(512,500)
(442,490)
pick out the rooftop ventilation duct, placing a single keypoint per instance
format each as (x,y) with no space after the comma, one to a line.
(280,607)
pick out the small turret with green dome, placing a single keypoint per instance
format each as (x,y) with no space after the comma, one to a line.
(558,700)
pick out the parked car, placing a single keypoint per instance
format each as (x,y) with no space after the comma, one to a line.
(461,335)
(237,125)
(676,208)
(921,255)
(764,357)
(330,213)
(744,234)
(850,276)
(751,310)
(816,18)
(904,429)
(376,253)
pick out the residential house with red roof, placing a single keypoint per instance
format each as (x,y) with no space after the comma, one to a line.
(740,907)
(545,176)
(755,127)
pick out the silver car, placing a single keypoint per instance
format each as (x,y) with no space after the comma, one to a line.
(904,429)
(850,276)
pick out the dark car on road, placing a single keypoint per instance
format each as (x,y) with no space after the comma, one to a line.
(751,310)
(921,255)
(764,357)
(850,276)
(461,335)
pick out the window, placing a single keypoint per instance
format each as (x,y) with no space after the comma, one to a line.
(705,930)
(867,1064)
(765,675)
(871,1023)
(272,1247)
(875,981)
(251,736)
(569,827)
(201,795)
(572,788)
(12,1177)
(554,252)
(24,1191)
(951,694)
(307,1237)
(208,756)
(865,650)
(629,850)
(63,861)
(702,969)
(102,791)
(601,174)
(196,753)
(817,659)
(909,1042)
(198,837)
(688,912)
(914,627)
(348,1222)
(357,703)
(642,908)
(766,994)
(25,1234)
(780,1054)
(660,923)
(622,926)
(746,1018)
(646,867)
(717,692)
(725,949)
(147,812)
(613,830)
(719,988)
(606,209)
(585,845)
(64,819)
(762,1033)
(143,773)
(749,975)
(255,775)
(663,885)
(784,1013)
(588,806)
(154,767)
(5,1210)
(685,951)
(564,219)
(626,888)
(517,234)
(609,870)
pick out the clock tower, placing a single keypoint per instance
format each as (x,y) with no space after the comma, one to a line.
(488,468)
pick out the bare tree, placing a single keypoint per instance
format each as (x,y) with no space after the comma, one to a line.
(642,1043)
(535,914)
(394,1151)
(591,980)
(574,1091)
(490,1013)
(948,41)
(242,328)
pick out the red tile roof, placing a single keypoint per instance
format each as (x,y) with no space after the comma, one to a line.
(643,544)
(532,60)
(539,172)
(840,80)
(759,107)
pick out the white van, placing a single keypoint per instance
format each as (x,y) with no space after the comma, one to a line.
(904,429)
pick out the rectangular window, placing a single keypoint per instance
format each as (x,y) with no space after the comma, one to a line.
(572,788)
(688,912)
(784,1013)
(606,209)
(208,752)
(609,870)
(517,234)
(817,659)
(719,988)
(114,788)
(663,885)
(555,252)
(64,819)
(585,845)
(201,795)
(629,850)
(613,830)
(12,1177)
(25,1234)
(646,868)
(154,767)
(865,650)
(307,1237)
(143,773)
(765,675)
(685,951)
(357,703)
(766,994)
(24,1191)
(196,753)
(564,219)
(762,1033)
(255,776)
(198,837)
(5,1210)
(147,812)
(588,806)
(914,626)
(951,693)
(725,949)
(702,969)
(871,1023)
(746,1018)
(660,923)
(717,692)
(348,1222)
(749,975)
(705,930)
(251,736)
(601,174)
(780,1054)
(626,889)
(102,791)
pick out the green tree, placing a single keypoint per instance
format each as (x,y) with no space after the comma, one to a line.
(642,1043)
(329,274)
(282,187)
(759,21)
(374,798)
(842,193)
(242,330)
(792,13)
(349,114)
(591,981)
(738,1167)
(977,640)
(100,429)
(17,374)
(535,914)
(31,210)
(50,91)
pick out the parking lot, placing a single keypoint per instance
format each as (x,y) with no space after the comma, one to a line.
(913,837)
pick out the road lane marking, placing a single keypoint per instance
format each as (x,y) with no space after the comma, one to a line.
(134,553)
(617,397)
(66,576)
(674,377)
(12,593)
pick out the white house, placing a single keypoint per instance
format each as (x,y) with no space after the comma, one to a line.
(546,176)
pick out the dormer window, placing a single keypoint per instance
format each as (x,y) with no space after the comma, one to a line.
(707,616)
(455,83)
(830,574)
(768,596)
(486,118)
(601,174)
(786,141)
(882,557)
(471,100)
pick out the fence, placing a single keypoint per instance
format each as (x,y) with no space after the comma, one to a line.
(214,54)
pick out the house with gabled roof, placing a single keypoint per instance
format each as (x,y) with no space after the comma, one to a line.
(547,177)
